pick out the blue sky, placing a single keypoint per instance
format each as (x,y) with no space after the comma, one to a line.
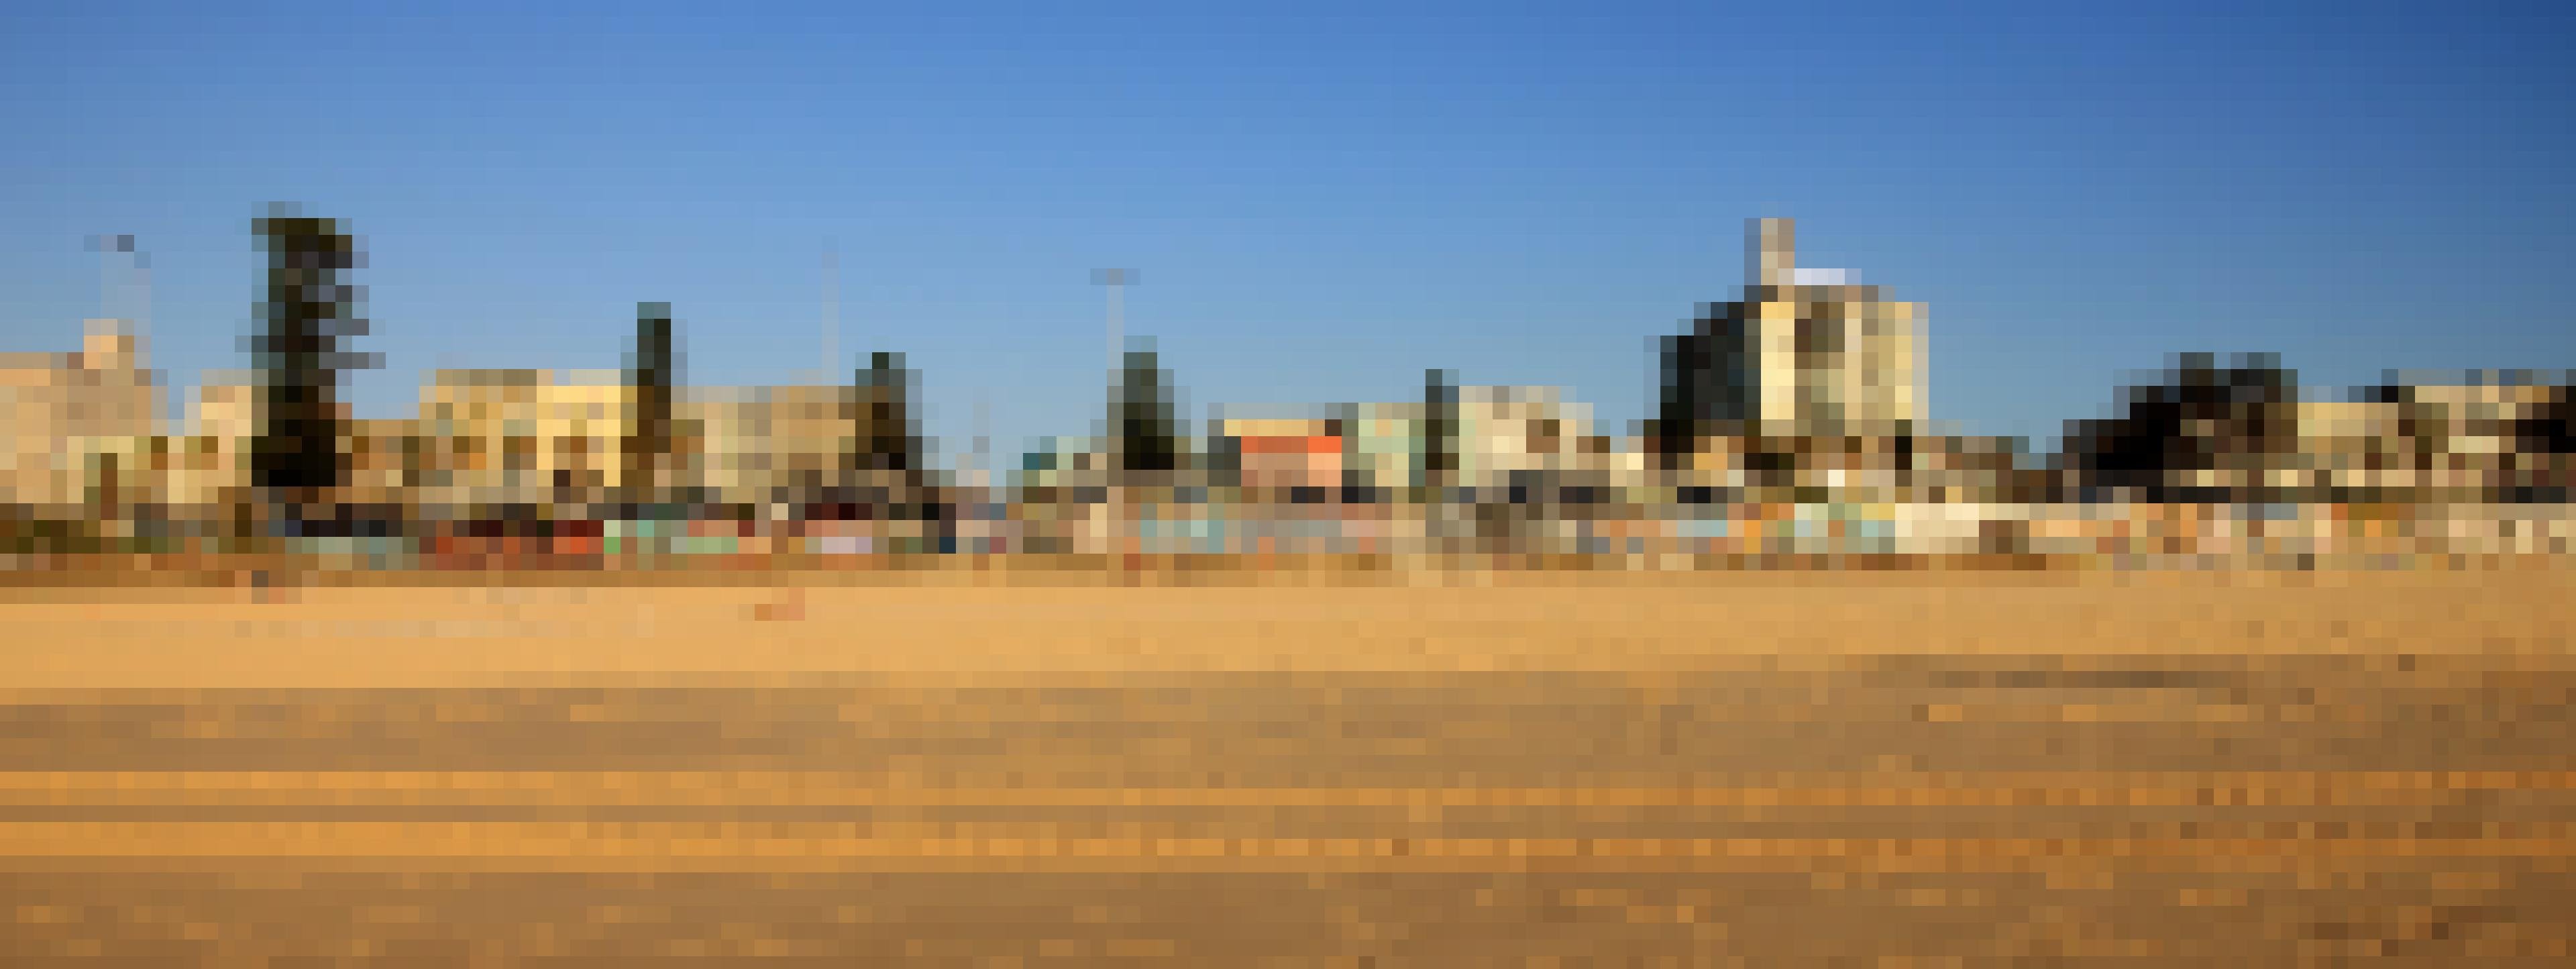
(1324,199)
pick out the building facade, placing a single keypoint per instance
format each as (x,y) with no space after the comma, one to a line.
(1804,353)
(77,422)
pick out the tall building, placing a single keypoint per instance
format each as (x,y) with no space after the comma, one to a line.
(1805,352)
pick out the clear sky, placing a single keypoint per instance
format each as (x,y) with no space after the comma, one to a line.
(1324,199)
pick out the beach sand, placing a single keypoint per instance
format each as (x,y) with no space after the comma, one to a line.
(1466,769)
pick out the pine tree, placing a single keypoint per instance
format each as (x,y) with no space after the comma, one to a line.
(1439,430)
(2236,422)
(651,373)
(887,438)
(306,310)
(1140,417)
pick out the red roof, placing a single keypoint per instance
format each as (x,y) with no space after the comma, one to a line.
(1301,444)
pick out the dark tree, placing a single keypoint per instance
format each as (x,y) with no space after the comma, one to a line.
(1141,420)
(2549,428)
(652,371)
(307,308)
(1679,410)
(2240,421)
(887,436)
(1439,428)
(1706,383)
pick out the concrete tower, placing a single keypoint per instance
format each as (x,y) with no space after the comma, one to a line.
(1805,352)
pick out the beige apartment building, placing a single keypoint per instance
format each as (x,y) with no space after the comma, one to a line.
(767,445)
(1500,430)
(2436,441)
(1807,352)
(489,437)
(77,422)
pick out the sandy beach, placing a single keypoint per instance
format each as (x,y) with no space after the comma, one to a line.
(1495,769)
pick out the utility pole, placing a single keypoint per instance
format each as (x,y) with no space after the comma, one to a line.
(1117,280)
(831,316)
(112,284)
(124,283)
(983,468)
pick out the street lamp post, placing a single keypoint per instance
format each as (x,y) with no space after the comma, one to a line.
(831,361)
(1117,280)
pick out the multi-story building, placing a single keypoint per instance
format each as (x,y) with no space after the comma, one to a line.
(515,437)
(1273,452)
(1500,431)
(1505,431)
(210,454)
(1385,443)
(768,445)
(1805,353)
(2470,438)
(74,423)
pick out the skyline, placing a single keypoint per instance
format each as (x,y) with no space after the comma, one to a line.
(125,298)
(1323,207)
